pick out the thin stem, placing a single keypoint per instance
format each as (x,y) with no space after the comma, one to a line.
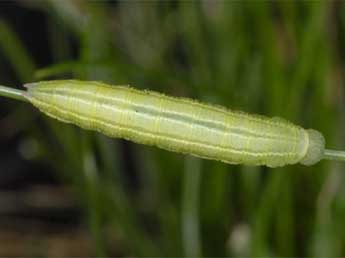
(190,208)
(12,93)
(334,155)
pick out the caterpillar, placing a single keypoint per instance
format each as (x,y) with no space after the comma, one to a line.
(177,124)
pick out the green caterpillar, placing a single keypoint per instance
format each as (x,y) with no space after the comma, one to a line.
(177,124)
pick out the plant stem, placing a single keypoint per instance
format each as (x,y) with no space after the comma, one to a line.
(334,155)
(190,208)
(12,93)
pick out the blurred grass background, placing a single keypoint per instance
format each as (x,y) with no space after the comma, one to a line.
(69,192)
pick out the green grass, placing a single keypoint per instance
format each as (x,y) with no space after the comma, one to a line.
(280,59)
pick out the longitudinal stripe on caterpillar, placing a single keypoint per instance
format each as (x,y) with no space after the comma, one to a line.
(177,124)
(177,118)
(133,129)
(170,113)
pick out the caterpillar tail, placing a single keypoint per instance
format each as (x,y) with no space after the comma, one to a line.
(334,155)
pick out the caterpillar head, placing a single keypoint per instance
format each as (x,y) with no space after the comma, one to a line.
(316,148)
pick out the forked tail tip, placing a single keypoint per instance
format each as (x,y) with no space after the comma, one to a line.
(30,85)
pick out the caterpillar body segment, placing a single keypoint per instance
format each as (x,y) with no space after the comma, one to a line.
(177,124)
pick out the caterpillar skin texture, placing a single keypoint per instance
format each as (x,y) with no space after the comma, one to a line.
(177,124)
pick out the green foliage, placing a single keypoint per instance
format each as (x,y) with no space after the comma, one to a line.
(280,59)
